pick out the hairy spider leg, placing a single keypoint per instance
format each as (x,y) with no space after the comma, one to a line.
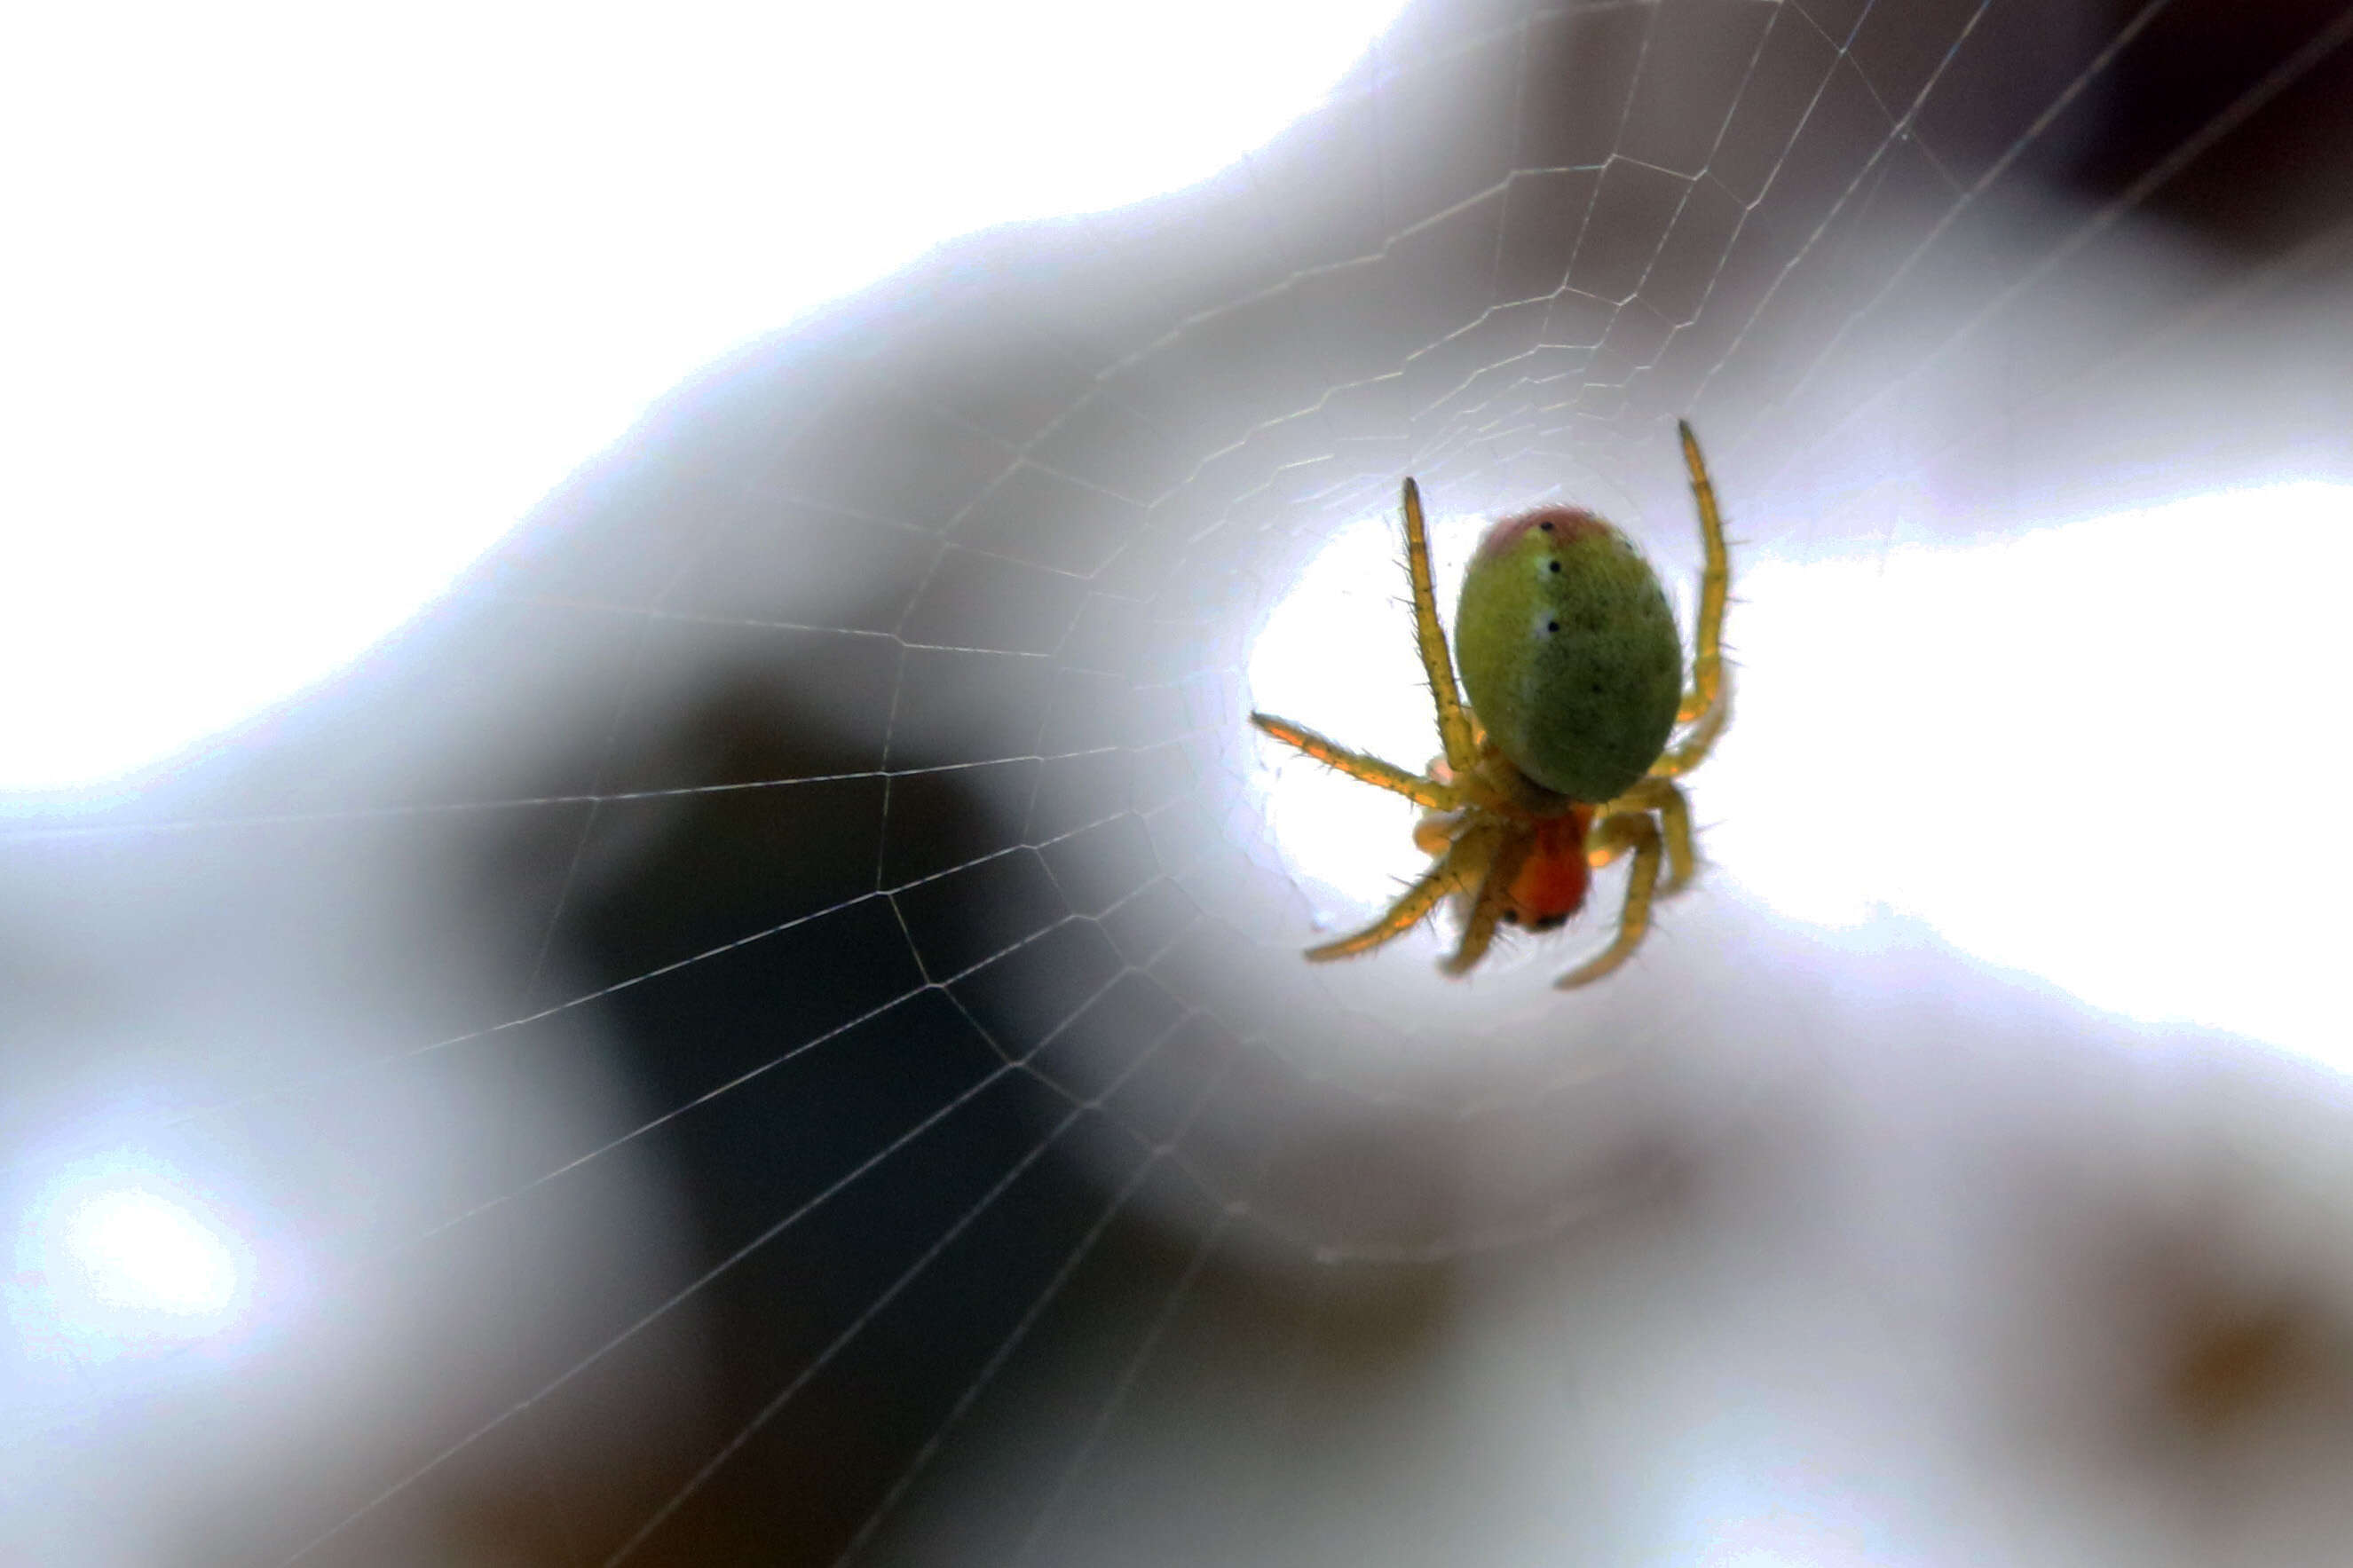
(1674,817)
(1494,897)
(1359,765)
(1454,736)
(1698,740)
(1714,588)
(1458,866)
(1631,830)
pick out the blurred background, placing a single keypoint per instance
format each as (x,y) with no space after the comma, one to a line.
(640,923)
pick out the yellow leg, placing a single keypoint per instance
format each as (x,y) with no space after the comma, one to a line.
(1437,662)
(1357,766)
(1487,910)
(1674,818)
(1698,740)
(1459,865)
(1714,586)
(1634,830)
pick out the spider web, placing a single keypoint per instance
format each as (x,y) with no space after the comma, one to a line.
(774,1014)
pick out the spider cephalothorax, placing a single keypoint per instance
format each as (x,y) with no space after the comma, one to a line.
(1565,756)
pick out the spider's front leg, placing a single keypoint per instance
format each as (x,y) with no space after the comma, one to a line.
(1663,796)
(1462,862)
(1503,865)
(1631,830)
(1455,732)
(1714,586)
(1707,703)
(1360,765)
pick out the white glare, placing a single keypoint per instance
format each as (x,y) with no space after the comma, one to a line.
(308,304)
(2100,753)
(112,1263)
(145,1253)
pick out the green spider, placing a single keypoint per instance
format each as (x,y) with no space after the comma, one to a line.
(1561,762)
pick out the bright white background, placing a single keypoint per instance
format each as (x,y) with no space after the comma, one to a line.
(304,306)
(2020,741)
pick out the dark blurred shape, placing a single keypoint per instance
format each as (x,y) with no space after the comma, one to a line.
(2231,121)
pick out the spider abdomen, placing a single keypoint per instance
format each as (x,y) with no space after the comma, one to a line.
(1550,884)
(1568,652)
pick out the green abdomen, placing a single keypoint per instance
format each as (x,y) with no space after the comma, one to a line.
(1568,652)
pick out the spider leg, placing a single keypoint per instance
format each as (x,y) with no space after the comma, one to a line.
(1698,740)
(1437,662)
(1456,866)
(1660,795)
(1714,585)
(1633,830)
(1487,910)
(1428,792)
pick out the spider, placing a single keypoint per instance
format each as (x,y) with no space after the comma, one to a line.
(1560,762)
